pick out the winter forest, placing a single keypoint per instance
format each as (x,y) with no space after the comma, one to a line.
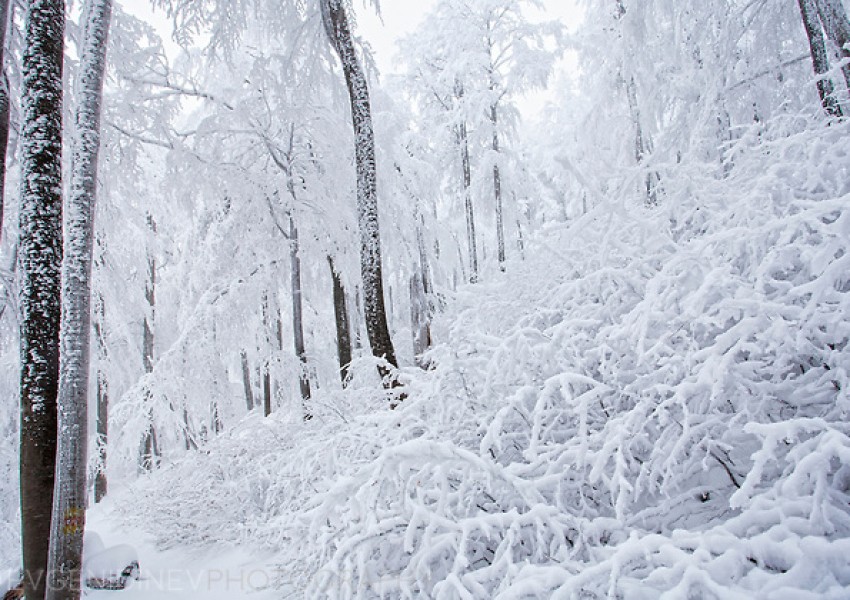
(490,299)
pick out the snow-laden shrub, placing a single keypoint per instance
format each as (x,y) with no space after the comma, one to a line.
(653,405)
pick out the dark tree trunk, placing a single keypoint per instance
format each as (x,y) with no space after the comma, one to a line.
(339,32)
(40,251)
(343,328)
(820,58)
(266,369)
(267,391)
(246,381)
(100,480)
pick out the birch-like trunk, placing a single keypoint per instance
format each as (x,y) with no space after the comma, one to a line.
(40,255)
(820,58)
(4,107)
(339,33)
(69,501)
(343,328)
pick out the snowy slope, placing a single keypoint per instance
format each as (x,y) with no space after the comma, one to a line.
(653,404)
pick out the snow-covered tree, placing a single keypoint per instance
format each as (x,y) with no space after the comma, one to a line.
(467,66)
(40,255)
(71,482)
(339,33)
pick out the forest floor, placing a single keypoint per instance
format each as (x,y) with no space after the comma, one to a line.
(218,572)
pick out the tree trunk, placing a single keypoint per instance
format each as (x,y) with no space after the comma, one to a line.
(69,504)
(267,391)
(40,251)
(4,106)
(420,319)
(298,312)
(100,479)
(246,381)
(820,59)
(497,190)
(339,32)
(343,328)
(266,369)
(643,145)
(466,173)
(150,448)
(837,27)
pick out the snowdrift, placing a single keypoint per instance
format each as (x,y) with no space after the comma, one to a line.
(653,405)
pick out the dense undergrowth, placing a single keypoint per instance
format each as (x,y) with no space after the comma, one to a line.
(653,404)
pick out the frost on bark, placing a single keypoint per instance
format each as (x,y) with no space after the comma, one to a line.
(4,106)
(102,425)
(343,328)
(298,317)
(69,503)
(837,28)
(40,255)
(339,33)
(820,58)
(466,174)
(150,446)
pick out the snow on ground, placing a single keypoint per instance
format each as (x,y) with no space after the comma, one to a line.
(654,404)
(219,572)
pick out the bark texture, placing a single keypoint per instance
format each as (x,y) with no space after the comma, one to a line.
(820,58)
(837,28)
(4,106)
(246,380)
(150,447)
(298,316)
(69,502)
(343,327)
(40,255)
(339,33)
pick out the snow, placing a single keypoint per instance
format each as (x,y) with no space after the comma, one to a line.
(224,572)
(650,402)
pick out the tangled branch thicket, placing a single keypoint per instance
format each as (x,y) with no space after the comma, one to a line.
(654,404)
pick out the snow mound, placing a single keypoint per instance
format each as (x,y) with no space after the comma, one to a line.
(654,405)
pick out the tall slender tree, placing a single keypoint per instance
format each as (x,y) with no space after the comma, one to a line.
(69,502)
(5,105)
(837,27)
(339,33)
(40,255)
(820,58)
